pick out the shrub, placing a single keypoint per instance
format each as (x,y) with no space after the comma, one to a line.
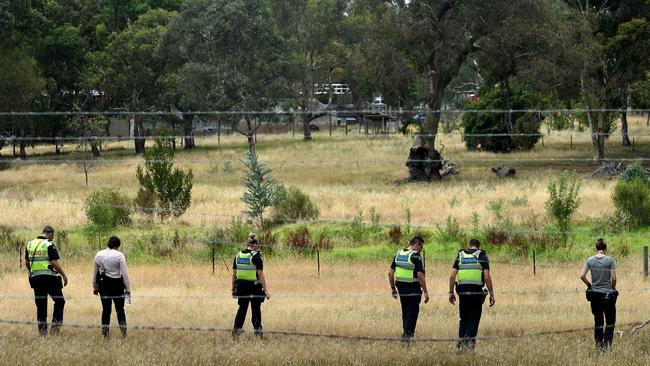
(238,231)
(632,201)
(145,202)
(8,239)
(300,240)
(108,208)
(481,123)
(171,187)
(452,232)
(634,171)
(293,204)
(563,200)
(395,235)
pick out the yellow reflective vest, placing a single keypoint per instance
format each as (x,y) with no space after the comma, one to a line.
(246,269)
(39,260)
(404,266)
(470,270)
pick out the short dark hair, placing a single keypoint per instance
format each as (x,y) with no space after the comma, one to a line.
(48,229)
(600,244)
(416,240)
(114,242)
(252,239)
(474,243)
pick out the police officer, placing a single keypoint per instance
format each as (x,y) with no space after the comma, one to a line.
(406,279)
(602,294)
(45,274)
(249,286)
(470,272)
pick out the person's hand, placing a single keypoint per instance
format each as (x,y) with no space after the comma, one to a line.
(233,292)
(492,300)
(127,293)
(452,298)
(95,292)
(394,293)
(267,294)
(426,297)
(65,281)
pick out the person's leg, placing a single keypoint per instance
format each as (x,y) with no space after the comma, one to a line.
(121,315)
(40,298)
(610,322)
(475,305)
(55,290)
(463,308)
(107,304)
(403,300)
(256,316)
(599,321)
(241,315)
(412,314)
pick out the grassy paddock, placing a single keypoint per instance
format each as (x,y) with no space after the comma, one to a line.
(344,175)
(348,299)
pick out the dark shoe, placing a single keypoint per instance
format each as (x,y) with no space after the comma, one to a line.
(123,329)
(106,332)
(56,329)
(236,333)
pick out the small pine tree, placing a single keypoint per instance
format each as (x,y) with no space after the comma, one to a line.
(261,189)
(171,186)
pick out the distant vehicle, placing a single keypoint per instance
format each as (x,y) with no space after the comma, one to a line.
(209,130)
(420,118)
(378,104)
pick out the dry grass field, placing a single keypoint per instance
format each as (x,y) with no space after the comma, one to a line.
(344,175)
(348,299)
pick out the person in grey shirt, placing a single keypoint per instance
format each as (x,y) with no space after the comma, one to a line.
(111,282)
(602,294)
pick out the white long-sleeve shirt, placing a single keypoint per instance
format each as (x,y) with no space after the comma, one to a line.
(113,264)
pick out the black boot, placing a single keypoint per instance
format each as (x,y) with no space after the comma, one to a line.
(236,332)
(106,332)
(123,328)
(259,333)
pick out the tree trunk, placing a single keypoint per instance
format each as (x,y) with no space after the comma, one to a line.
(597,134)
(505,100)
(94,147)
(23,143)
(624,129)
(139,137)
(188,134)
(250,135)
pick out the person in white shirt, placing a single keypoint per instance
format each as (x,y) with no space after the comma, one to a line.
(111,283)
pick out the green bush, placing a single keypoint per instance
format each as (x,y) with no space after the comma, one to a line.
(563,200)
(300,240)
(632,201)
(633,171)
(480,123)
(108,208)
(8,239)
(292,205)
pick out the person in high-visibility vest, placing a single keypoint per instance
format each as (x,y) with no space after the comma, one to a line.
(469,274)
(407,281)
(46,277)
(249,286)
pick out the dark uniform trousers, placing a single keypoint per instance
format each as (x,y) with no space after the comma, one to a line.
(111,291)
(43,286)
(249,292)
(603,306)
(410,296)
(471,307)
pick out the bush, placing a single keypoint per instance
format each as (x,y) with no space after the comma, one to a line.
(292,205)
(395,235)
(145,202)
(496,123)
(108,209)
(171,187)
(8,239)
(632,201)
(633,171)
(563,200)
(300,240)
(452,232)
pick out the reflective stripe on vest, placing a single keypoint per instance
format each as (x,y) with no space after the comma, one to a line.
(470,270)
(404,266)
(38,258)
(246,270)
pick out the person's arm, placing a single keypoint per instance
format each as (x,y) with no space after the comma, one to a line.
(391,282)
(233,289)
(452,283)
(613,274)
(488,283)
(583,275)
(423,285)
(125,275)
(95,285)
(260,276)
(57,267)
(27,264)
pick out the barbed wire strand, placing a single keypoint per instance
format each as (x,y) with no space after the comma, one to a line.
(281,332)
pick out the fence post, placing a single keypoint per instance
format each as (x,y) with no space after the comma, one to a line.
(645,262)
(542,140)
(318,261)
(20,257)
(534,263)
(213,261)
(571,141)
